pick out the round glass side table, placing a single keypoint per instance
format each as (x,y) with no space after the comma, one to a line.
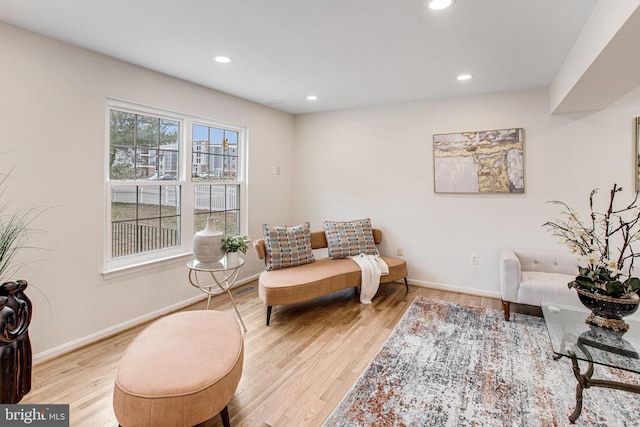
(224,275)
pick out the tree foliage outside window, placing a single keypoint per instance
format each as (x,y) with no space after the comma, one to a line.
(145,149)
(143,146)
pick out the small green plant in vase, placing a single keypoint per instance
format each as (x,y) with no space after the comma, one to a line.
(234,244)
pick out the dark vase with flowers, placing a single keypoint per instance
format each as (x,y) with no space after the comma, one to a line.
(606,283)
(606,311)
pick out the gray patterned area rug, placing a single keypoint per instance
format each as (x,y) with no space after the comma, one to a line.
(452,365)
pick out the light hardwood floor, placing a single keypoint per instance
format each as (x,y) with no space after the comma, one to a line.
(295,371)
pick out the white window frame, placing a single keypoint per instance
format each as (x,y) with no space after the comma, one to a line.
(132,263)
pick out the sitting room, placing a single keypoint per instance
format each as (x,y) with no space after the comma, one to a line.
(317,213)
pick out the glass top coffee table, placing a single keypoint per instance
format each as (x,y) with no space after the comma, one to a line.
(573,338)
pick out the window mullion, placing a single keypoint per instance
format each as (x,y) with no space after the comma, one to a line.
(135,145)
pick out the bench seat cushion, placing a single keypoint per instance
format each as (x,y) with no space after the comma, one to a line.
(305,282)
(537,286)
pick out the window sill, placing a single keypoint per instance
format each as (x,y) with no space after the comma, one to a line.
(114,272)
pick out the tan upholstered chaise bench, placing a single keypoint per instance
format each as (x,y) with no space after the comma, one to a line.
(181,370)
(305,282)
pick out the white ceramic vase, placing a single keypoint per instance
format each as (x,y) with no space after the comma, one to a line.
(207,244)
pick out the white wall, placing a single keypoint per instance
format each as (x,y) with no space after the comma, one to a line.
(52,130)
(369,162)
(377,162)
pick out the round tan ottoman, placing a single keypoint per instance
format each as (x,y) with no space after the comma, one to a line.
(181,370)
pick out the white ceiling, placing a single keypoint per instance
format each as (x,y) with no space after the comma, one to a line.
(347,52)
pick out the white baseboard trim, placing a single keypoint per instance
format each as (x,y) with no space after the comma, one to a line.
(453,288)
(113,330)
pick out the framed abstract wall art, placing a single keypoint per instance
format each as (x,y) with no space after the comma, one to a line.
(490,161)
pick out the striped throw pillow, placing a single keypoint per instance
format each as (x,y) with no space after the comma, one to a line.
(287,246)
(349,238)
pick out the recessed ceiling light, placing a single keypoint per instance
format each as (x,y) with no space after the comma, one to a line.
(440,4)
(312,98)
(222,59)
(464,77)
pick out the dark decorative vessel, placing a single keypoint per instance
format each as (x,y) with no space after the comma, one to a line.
(15,346)
(606,311)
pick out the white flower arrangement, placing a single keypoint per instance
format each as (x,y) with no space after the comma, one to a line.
(602,269)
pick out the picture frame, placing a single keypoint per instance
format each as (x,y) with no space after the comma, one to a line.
(479,162)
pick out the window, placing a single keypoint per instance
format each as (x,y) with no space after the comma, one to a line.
(214,167)
(156,199)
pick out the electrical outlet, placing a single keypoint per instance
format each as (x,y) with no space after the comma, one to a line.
(474,259)
(400,251)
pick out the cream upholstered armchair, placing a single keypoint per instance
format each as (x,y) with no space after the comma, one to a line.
(530,276)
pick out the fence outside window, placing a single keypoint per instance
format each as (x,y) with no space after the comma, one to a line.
(137,235)
(130,238)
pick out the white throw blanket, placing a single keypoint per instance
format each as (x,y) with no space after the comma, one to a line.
(372,267)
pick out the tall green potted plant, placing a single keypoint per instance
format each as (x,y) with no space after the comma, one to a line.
(15,306)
